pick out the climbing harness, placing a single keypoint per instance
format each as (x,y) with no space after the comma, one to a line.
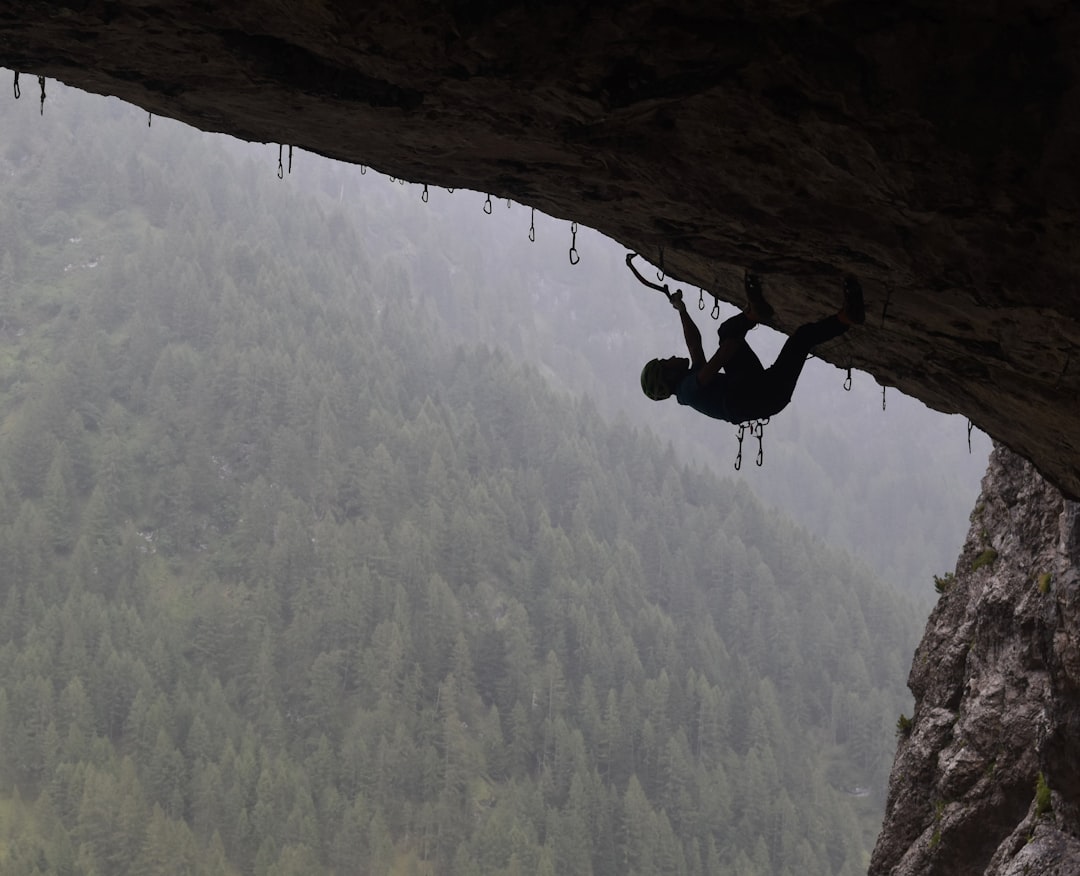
(18,91)
(755,429)
(532,226)
(574,257)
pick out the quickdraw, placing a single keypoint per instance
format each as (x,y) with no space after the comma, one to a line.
(532,226)
(755,429)
(41,82)
(487,205)
(671,296)
(574,257)
(280,165)
(847,381)
(424,194)
(885,306)
(18,91)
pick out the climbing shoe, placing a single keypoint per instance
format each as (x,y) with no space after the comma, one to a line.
(760,309)
(854,310)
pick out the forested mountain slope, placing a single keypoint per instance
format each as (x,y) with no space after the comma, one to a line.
(294,583)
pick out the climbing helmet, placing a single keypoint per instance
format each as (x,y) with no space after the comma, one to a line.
(654,380)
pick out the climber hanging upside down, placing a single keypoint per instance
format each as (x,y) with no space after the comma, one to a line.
(746,390)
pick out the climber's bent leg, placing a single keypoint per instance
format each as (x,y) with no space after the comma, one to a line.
(773,391)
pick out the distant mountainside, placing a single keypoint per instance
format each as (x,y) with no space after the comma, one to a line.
(296,582)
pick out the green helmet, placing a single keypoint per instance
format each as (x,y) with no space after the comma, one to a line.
(654,381)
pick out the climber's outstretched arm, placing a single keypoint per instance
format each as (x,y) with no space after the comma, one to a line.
(690,333)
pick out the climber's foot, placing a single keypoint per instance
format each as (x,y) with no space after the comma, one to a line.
(757,308)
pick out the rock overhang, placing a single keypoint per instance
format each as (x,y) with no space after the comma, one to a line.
(926,147)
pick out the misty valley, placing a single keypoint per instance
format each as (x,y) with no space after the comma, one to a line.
(335,539)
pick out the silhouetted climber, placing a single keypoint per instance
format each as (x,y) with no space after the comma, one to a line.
(746,390)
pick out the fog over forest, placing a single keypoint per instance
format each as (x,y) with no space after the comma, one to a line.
(336,536)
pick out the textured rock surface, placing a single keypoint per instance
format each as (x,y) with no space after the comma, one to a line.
(997,699)
(927,146)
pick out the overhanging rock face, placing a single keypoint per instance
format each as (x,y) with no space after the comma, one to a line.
(929,148)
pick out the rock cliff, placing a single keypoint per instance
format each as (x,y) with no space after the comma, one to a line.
(987,772)
(928,146)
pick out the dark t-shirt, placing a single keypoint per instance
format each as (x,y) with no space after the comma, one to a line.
(709,400)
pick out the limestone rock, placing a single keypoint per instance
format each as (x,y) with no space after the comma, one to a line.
(997,685)
(928,147)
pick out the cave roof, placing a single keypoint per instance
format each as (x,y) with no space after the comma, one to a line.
(929,148)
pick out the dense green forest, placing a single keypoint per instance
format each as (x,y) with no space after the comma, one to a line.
(295,582)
